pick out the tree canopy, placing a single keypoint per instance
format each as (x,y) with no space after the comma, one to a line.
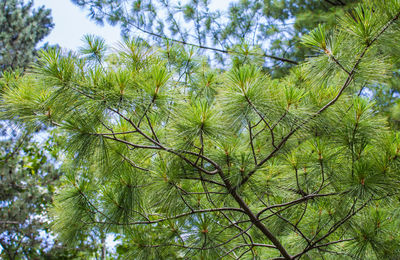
(27,178)
(28,172)
(184,160)
(268,31)
(22,28)
(274,27)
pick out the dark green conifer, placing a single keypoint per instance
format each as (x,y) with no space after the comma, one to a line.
(22,28)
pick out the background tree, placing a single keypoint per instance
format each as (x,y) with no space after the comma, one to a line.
(273,26)
(30,174)
(22,28)
(28,171)
(184,160)
(27,178)
(25,173)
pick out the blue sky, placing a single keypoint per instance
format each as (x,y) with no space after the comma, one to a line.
(71,23)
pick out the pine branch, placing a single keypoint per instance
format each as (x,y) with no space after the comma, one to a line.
(208,248)
(334,242)
(333,229)
(330,103)
(159,146)
(294,202)
(248,245)
(251,144)
(339,64)
(294,227)
(132,163)
(263,119)
(206,180)
(117,133)
(218,210)
(201,46)
(254,219)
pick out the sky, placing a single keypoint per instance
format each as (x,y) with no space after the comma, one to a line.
(72,23)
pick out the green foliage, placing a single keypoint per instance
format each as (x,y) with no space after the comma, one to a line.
(182,160)
(95,47)
(271,30)
(29,181)
(21,29)
(30,177)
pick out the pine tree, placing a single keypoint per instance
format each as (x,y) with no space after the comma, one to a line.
(27,167)
(183,160)
(22,28)
(273,27)
(28,180)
